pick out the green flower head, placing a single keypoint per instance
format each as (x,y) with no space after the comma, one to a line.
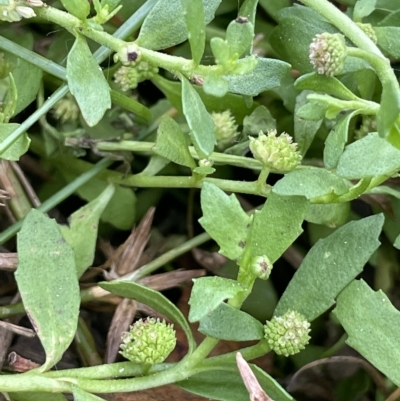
(225,128)
(287,334)
(275,152)
(148,341)
(368,30)
(327,53)
(261,267)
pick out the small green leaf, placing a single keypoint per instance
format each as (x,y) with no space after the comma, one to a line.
(81,234)
(330,265)
(81,395)
(155,300)
(172,144)
(231,324)
(235,103)
(87,82)
(370,156)
(322,83)
(239,36)
(329,214)
(193,11)
(48,284)
(165,25)
(265,76)
(336,140)
(215,85)
(19,147)
(388,115)
(371,322)
(208,293)
(276,226)
(362,9)
(225,384)
(200,122)
(78,8)
(259,120)
(305,129)
(311,182)
(224,219)
(220,50)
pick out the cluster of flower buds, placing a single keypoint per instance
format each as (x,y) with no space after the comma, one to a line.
(15,10)
(66,109)
(225,129)
(128,77)
(275,152)
(327,53)
(148,341)
(368,30)
(261,267)
(287,334)
(368,124)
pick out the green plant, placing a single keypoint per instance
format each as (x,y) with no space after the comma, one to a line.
(352,90)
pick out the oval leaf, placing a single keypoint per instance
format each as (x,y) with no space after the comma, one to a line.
(329,266)
(47,280)
(208,293)
(200,122)
(79,8)
(221,321)
(87,82)
(371,322)
(155,300)
(19,147)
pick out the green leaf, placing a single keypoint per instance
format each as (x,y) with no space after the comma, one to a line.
(259,120)
(78,8)
(19,147)
(224,219)
(120,211)
(336,140)
(362,9)
(239,36)
(215,85)
(330,265)
(27,77)
(265,76)
(329,214)
(200,122)
(235,103)
(47,281)
(388,115)
(311,182)
(276,226)
(305,129)
(81,234)
(371,322)
(208,293)
(397,242)
(226,384)
(272,7)
(193,11)
(165,25)
(322,83)
(87,82)
(370,156)
(388,40)
(155,300)
(172,144)
(81,395)
(221,321)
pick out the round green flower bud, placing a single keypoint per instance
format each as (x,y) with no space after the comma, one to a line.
(368,124)
(327,53)
(146,70)
(287,334)
(261,267)
(275,152)
(225,128)
(127,78)
(368,30)
(66,109)
(148,341)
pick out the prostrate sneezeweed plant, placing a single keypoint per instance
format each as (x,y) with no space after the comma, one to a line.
(317,123)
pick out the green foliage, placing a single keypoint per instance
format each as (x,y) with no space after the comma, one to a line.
(280,207)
